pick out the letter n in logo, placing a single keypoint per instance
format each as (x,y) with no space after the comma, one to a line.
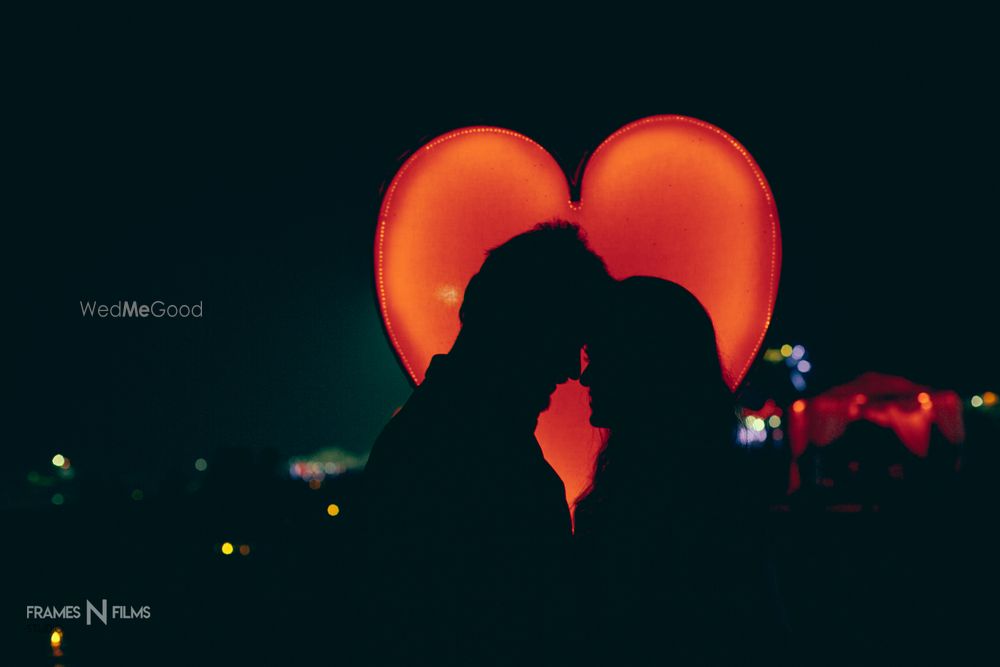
(102,615)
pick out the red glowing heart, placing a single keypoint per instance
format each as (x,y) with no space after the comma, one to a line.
(666,196)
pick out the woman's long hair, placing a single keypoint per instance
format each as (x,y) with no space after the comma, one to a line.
(669,531)
(675,415)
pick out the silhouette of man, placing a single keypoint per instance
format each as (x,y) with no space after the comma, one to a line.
(467,526)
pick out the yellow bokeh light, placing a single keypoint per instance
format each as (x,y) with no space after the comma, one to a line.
(772,355)
(55,639)
(58,460)
(227,548)
(774,421)
(786,350)
(977,401)
(333,509)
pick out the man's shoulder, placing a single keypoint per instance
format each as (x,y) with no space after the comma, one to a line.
(418,439)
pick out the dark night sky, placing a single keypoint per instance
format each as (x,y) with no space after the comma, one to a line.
(256,191)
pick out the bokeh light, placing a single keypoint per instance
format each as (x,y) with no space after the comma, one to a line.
(772,355)
(333,509)
(227,548)
(201,465)
(798,381)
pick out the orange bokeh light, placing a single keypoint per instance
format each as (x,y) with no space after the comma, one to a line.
(667,196)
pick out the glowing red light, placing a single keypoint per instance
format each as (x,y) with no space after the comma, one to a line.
(667,196)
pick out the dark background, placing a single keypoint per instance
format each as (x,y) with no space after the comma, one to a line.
(252,184)
(262,203)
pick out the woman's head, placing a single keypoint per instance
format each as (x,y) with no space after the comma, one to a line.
(656,383)
(653,358)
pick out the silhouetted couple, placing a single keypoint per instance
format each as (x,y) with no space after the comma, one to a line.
(472,559)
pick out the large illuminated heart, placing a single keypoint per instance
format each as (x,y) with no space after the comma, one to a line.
(667,196)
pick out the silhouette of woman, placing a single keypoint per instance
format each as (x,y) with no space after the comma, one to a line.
(666,533)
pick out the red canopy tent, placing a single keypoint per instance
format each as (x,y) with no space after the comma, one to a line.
(892,402)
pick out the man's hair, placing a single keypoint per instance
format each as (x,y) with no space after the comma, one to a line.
(547,270)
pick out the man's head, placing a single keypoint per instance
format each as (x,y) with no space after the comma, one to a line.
(526,313)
